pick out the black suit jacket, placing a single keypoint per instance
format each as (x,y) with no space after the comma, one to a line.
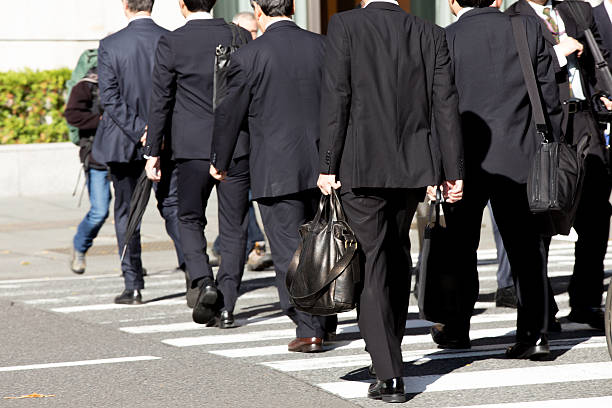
(386,74)
(586,62)
(183,90)
(496,117)
(125,63)
(604,25)
(275,81)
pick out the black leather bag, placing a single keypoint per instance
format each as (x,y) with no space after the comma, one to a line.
(556,173)
(437,290)
(324,275)
(223,55)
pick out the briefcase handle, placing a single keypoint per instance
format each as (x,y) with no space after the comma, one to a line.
(330,208)
(435,205)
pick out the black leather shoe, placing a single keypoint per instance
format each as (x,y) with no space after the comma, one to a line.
(445,341)
(226,320)
(388,390)
(506,297)
(204,309)
(537,350)
(594,317)
(129,297)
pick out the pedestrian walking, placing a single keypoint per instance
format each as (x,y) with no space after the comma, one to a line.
(84,111)
(125,63)
(183,95)
(387,82)
(274,83)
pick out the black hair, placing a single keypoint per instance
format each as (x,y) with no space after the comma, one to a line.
(140,5)
(475,3)
(200,5)
(276,8)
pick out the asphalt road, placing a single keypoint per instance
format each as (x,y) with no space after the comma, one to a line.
(61,335)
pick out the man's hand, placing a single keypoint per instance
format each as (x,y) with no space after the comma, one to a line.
(453,190)
(143,138)
(570,45)
(153,169)
(606,102)
(431,192)
(326,182)
(216,174)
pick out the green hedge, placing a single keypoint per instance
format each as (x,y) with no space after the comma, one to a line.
(32,106)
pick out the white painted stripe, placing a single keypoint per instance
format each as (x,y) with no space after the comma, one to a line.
(113,306)
(79,363)
(252,321)
(320,363)
(359,343)
(470,380)
(597,402)
(267,335)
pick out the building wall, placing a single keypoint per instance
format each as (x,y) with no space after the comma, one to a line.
(45,34)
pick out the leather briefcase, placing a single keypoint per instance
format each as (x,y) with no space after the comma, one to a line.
(555,177)
(325,272)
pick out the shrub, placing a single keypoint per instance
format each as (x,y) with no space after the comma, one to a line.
(32,106)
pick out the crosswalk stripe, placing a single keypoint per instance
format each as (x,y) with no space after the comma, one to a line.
(320,363)
(359,343)
(470,380)
(78,363)
(595,402)
(267,335)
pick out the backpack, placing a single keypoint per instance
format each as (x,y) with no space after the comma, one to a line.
(87,61)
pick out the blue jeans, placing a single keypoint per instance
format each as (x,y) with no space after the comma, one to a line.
(98,186)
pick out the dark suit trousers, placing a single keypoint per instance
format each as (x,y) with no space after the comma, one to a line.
(166,193)
(381,221)
(233,199)
(592,223)
(522,242)
(124,177)
(282,216)
(194,187)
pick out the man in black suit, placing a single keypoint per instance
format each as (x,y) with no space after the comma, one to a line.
(500,142)
(275,83)
(578,87)
(183,96)
(386,75)
(125,62)
(603,18)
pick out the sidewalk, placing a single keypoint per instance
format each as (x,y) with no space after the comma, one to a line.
(36,238)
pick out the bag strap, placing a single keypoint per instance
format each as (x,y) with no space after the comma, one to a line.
(335,272)
(520,38)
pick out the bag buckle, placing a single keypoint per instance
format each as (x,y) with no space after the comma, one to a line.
(573,106)
(350,244)
(542,131)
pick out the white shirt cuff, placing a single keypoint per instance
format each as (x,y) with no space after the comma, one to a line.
(562,59)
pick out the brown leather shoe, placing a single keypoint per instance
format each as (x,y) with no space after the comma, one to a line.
(306,345)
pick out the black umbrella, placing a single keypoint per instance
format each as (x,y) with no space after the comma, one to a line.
(138,204)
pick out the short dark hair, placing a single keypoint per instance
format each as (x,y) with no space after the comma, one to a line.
(200,5)
(475,3)
(140,5)
(275,8)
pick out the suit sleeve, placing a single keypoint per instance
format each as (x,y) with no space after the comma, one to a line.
(78,109)
(163,94)
(445,111)
(548,84)
(335,97)
(604,51)
(230,115)
(113,102)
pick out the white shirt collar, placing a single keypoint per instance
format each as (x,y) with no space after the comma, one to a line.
(276,21)
(383,1)
(199,15)
(463,11)
(138,18)
(538,7)
(608,7)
